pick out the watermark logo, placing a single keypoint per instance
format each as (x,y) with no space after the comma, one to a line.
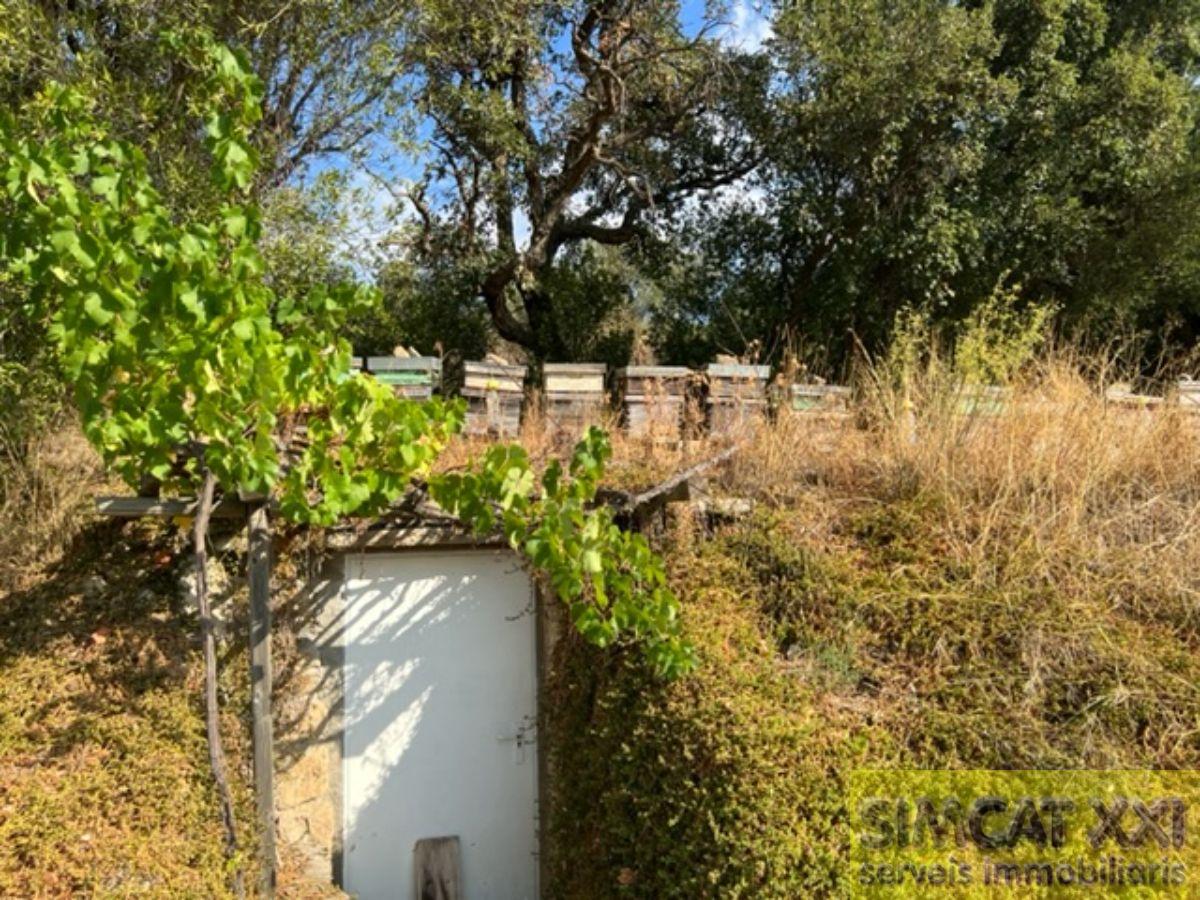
(1023,833)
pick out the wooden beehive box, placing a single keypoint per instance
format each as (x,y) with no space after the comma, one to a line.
(1121,395)
(737,395)
(415,377)
(818,399)
(573,395)
(1189,394)
(494,393)
(982,400)
(653,398)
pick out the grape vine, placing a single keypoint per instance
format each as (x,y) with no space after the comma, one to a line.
(188,368)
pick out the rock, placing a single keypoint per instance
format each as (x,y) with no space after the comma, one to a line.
(93,586)
(220,591)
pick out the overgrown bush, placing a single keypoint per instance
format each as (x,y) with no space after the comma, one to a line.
(1016,589)
(104,780)
(717,785)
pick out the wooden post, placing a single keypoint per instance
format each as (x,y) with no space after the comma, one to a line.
(260,687)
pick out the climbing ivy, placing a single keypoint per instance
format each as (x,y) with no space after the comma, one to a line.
(186,364)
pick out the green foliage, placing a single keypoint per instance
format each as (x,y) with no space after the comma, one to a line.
(423,306)
(168,333)
(610,579)
(107,789)
(997,339)
(592,292)
(718,785)
(578,122)
(184,361)
(922,153)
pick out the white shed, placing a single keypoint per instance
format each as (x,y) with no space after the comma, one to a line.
(413,718)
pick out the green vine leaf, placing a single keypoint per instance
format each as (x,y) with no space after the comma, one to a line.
(184,360)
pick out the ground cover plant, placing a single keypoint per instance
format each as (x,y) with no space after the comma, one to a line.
(919,589)
(935,591)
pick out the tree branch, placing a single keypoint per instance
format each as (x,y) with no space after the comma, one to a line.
(212,714)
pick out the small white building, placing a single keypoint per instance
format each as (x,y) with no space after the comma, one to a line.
(408,713)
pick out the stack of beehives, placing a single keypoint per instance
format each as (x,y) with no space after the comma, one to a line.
(494,392)
(818,399)
(737,396)
(1189,394)
(574,396)
(654,399)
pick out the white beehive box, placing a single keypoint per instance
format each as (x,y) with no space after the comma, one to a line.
(1189,394)
(574,396)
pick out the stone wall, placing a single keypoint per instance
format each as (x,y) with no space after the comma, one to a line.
(308,723)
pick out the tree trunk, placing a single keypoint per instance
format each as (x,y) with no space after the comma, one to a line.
(547,344)
(216,753)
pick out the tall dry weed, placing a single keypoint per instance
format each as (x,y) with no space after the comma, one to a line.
(47,485)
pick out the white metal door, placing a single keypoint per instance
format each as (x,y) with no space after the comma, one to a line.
(440,705)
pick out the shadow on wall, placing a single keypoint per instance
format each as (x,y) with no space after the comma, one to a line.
(426,675)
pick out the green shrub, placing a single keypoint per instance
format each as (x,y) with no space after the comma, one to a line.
(721,784)
(873,644)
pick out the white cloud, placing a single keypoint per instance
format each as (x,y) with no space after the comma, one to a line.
(749,29)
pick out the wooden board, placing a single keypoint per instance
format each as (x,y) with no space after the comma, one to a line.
(738,381)
(728,415)
(660,415)
(414,378)
(136,507)
(259,564)
(571,413)
(426,364)
(818,397)
(738,371)
(574,378)
(644,381)
(481,376)
(493,412)
(437,869)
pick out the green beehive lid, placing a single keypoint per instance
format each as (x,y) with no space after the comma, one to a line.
(409,371)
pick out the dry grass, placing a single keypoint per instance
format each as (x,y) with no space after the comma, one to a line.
(46,491)
(1056,476)
(639,461)
(1033,569)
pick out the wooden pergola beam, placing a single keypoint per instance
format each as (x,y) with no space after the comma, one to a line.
(261,677)
(140,507)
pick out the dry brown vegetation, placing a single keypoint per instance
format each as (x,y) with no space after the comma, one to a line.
(917,586)
(46,489)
